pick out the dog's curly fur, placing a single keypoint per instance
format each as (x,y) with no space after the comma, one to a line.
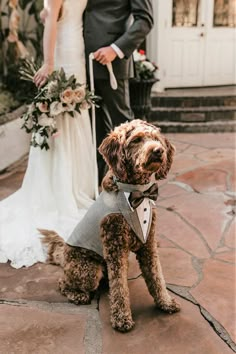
(134,151)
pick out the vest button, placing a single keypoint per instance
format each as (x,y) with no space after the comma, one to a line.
(145,209)
(145,221)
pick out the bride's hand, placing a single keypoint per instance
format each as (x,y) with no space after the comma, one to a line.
(40,78)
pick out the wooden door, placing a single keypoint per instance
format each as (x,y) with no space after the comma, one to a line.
(199,43)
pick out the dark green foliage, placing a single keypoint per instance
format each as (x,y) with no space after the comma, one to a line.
(30,34)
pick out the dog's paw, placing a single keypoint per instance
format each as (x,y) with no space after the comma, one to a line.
(79,299)
(76,297)
(122,324)
(170,306)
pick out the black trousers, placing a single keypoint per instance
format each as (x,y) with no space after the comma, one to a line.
(113,110)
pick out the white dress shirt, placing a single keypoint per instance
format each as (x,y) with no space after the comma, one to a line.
(144,213)
(118,51)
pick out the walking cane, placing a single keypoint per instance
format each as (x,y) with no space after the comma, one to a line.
(114,86)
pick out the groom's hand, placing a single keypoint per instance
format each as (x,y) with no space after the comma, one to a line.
(105,55)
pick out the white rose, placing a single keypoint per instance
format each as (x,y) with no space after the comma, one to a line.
(42,106)
(148,65)
(45,121)
(138,57)
(79,94)
(56,108)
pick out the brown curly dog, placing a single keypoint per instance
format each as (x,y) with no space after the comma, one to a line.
(137,156)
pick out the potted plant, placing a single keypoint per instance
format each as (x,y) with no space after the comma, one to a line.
(141,85)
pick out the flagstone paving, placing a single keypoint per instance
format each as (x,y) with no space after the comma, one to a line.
(196,232)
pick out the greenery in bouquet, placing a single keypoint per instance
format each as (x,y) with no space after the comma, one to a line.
(59,96)
(144,68)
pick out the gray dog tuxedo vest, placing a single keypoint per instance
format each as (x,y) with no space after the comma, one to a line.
(87,233)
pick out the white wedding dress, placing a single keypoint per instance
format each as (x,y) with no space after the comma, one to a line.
(58,185)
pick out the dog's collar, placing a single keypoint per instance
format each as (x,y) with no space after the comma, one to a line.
(126,187)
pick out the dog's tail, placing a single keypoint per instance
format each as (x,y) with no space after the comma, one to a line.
(55,246)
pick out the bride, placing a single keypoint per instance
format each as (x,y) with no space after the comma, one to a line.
(58,185)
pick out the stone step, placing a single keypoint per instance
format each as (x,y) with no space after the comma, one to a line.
(196,127)
(193,114)
(196,97)
(192,101)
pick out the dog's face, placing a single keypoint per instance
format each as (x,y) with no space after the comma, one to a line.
(136,150)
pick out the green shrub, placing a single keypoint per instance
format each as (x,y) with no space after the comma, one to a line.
(30,34)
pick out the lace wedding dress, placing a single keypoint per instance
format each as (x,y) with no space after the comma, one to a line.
(58,185)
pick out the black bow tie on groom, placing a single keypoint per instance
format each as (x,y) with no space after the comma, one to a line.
(137,197)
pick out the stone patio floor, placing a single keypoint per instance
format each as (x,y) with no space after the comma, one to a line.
(196,230)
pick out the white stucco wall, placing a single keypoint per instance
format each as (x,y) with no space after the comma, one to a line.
(154,42)
(14,143)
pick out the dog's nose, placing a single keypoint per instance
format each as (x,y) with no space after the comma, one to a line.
(158,151)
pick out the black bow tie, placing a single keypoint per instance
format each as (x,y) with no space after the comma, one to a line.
(137,197)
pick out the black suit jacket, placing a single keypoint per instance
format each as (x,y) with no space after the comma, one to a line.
(107,22)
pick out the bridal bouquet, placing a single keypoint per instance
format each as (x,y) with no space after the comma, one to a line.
(60,95)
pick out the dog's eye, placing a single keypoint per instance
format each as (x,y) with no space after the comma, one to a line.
(136,140)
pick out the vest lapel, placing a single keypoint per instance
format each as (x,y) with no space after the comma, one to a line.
(150,219)
(130,216)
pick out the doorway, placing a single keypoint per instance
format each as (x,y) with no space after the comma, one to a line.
(197,45)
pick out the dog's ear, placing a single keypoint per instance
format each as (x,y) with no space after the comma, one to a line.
(164,169)
(111,150)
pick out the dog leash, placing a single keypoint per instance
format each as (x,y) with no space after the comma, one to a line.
(91,57)
(114,86)
(113,81)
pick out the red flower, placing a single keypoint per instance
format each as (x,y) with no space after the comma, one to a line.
(142,52)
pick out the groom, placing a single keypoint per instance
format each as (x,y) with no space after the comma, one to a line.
(113,29)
